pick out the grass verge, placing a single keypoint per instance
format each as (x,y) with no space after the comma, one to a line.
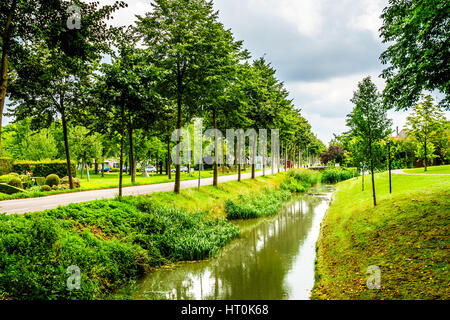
(430,170)
(406,235)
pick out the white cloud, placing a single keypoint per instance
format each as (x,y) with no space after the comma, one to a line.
(369,19)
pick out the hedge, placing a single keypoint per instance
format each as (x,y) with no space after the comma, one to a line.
(44,168)
(6,165)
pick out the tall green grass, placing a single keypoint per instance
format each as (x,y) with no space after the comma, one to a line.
(111,242)
(300,180)
(335,175)
(264,204)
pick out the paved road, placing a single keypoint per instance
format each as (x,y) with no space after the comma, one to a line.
(51,202)
(400,171)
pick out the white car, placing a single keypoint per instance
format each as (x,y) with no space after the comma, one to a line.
(150,169)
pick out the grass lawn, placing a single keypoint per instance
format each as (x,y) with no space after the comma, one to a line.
(431,170)
(407,235)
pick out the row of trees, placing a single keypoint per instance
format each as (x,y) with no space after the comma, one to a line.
(177,63)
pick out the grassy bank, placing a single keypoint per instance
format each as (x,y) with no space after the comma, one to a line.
(406,235)
(114,242)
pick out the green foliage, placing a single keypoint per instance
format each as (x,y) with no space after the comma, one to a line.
(300,180)
(112,242)
(76,182)
(52,180)
(40,181)
(45,188)
(417,56)
(43,168)
(6,165)
(16,182)
(6,188)
(266,203)
(335,175)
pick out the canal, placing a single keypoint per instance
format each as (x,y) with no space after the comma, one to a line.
(273,259)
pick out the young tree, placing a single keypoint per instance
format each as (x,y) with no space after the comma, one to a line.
(368,122)
(418,34)
(424,122)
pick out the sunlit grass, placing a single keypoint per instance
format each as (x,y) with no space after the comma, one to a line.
(431,170)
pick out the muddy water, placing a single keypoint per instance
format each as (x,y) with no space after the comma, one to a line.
(273,259)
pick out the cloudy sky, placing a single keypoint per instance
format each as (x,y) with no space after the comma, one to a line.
(320,49)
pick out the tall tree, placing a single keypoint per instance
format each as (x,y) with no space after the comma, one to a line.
(186,40)
(419,51)
(369,123)
(424,122)
(24,21)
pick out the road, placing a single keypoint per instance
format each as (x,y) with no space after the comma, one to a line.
(54,201)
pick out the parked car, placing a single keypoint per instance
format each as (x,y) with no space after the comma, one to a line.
(106,169)
(150,169)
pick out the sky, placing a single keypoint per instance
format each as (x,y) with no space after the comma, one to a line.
(321,49)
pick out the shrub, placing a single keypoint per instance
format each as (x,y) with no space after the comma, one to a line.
(76,182)
(9,176)
(40,181)
(52,180)
(6,165)
(46,188)
(16,182)
(44,168)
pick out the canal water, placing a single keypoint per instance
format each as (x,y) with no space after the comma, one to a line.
(273,259)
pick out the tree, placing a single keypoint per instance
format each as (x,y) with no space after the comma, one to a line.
(24,21)
(424,122)
(419,51)
(334,153)
(187,41)
(368,122)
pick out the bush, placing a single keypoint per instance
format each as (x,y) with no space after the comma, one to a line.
(9,176)
(6,165)
(252,206)
(46,188)
(76,182)
(52,180)
(44,168)
(16,182)
(40,181)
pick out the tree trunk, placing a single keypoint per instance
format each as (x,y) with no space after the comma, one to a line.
(66,145)
(169,172)
(239,172)
(216,158)
(363,180)
(425,151)
(103,169)
(373,177)
(132,160)
(177,165)
(4,67)
(122,132)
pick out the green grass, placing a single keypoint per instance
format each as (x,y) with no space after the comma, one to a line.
(111,180)
(406,235)
(431,170)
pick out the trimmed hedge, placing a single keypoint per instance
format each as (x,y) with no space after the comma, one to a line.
(6,165)
(44,168)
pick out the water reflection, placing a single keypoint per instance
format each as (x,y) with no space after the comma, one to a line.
(274,259)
